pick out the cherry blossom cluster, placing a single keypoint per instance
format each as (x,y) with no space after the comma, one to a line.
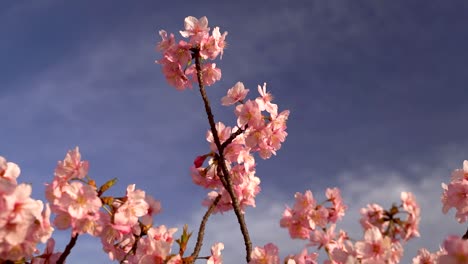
(124,224)
(177,58)
(455,194)
(24,222)
(383,230)
(259,129)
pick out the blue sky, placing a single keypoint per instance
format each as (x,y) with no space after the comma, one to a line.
(376,89)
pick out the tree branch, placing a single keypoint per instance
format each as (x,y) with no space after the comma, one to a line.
(235,202)
(68,249)
(201,230)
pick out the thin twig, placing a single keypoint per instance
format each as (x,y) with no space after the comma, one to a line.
(229,186)
(232,137)
(68,249)
(201,230)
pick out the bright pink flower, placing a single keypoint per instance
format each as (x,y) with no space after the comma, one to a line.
(216,257)
(235,94)
(265,255)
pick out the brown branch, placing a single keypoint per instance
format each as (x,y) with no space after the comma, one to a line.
(68,249)
(235,202)
(201,230)
(465,236)
(232,137)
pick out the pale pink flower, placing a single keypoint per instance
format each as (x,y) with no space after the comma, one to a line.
(295,224)
(249,114)
(461,174)
(179,54)
(456,251)
(338,210)
(235,94)
(174,74)
(72,166)
(424,257)
(322,238)
(216,257)
(9,170)
(80,200)
(210,73)
(456,194)
(135,206)
(411,225)
(214,45)
(166,42)
(194,26)
(48,256)
(264,101)
(265,255)
(375,248)
(371,216)
(302,258)
(153,209)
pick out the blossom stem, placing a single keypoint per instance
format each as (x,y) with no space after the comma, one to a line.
(201,230)
(226,175)
(68,249)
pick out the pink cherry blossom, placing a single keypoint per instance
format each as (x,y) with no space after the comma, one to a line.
(424,257)
(166,42)
(9,170)
(214,45)
(302,258)
(72,166)
(135,206)
(174,74)
(264,101)
(375,248)
(194,26)
(265,255)
(216,257)
(210,73)
(456,251)
(235,94)
(249,114)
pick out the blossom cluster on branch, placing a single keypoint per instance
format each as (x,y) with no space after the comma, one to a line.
(125,224)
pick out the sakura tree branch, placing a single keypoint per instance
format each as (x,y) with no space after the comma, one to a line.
(201,230)
(229,186)
(465,236)
(68,249)
(232,137)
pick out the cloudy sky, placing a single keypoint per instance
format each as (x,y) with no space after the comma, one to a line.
(376,89)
